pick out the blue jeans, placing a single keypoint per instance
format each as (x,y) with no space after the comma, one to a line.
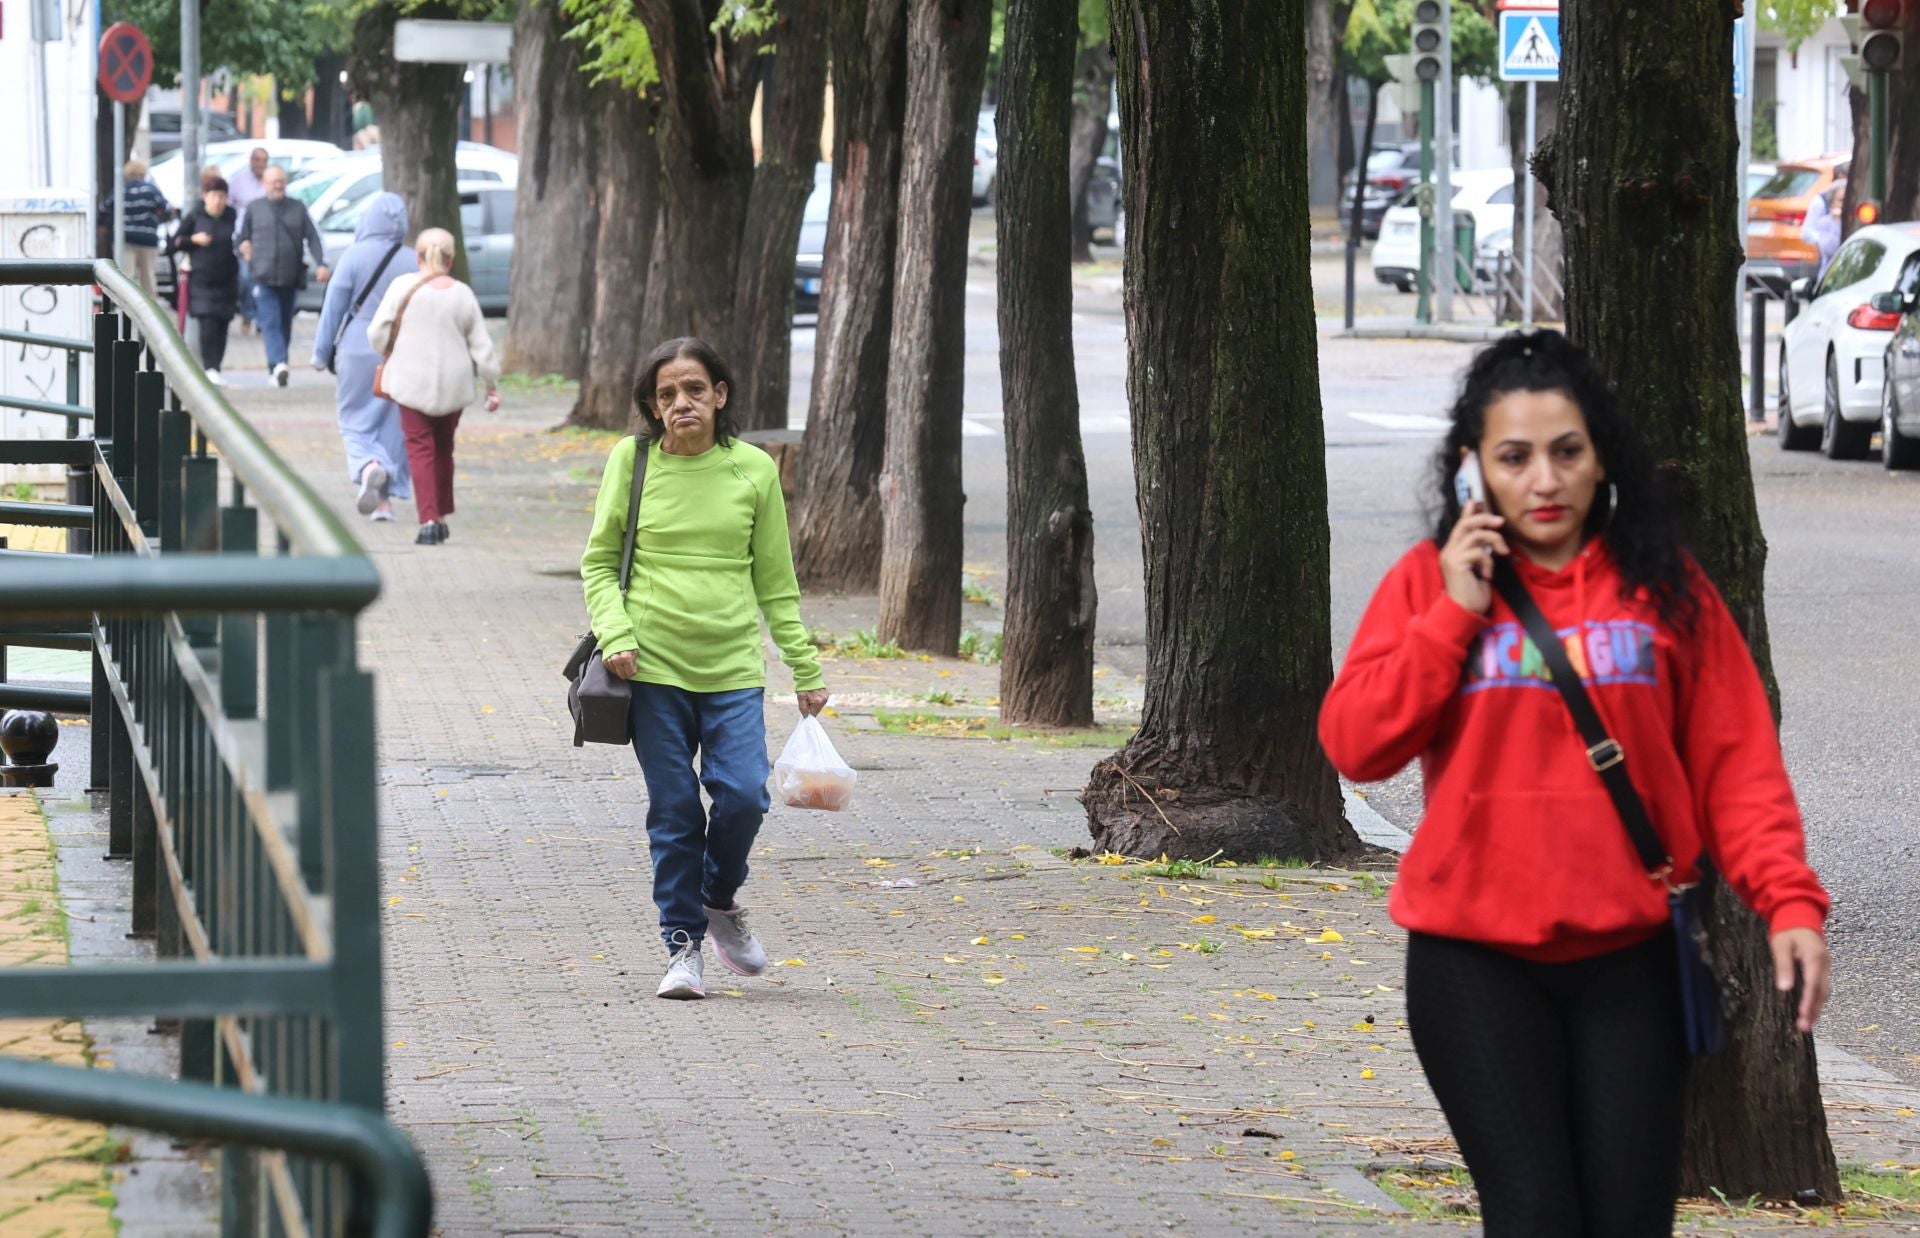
(273,307)
(700,855)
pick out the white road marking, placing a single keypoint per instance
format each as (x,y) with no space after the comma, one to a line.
(1405,423)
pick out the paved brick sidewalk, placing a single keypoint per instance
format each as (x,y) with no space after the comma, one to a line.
(1012,1043)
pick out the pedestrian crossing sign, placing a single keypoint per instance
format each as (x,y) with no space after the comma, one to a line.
(1529,46)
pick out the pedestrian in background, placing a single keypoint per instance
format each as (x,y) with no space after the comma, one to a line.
(271,234)
(205,237)
(1542,977)
(1824,224)
(145,210)
(369,424)
(434,338)
(711,557)
(246,187)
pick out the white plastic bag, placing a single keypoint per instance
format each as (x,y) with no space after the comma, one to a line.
(810,774)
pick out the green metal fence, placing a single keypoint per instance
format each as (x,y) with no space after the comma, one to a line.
(233,735)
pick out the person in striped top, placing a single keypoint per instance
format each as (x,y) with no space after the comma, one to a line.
(146,209)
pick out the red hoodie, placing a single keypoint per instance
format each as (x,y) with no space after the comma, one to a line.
(1520,847)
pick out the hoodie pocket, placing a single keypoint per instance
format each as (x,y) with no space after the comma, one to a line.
(1532,867)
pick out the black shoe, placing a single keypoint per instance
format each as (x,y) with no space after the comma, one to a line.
(446,534)
(429,535)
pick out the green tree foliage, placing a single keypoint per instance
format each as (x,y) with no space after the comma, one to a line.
(1377,29)
(280,37)
(617,47)
(1796,20)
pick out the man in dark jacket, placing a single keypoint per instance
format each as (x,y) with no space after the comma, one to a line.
(213,282)
(270,236)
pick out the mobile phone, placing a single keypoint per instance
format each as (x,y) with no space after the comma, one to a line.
(1468,484)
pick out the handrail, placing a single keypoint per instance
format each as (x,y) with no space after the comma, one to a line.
(48,586)
(307,523)
(388,1162)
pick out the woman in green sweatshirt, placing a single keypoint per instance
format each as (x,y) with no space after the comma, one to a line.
(711,558)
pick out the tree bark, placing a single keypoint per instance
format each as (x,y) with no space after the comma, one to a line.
(1548,307)
(552,282)
(793,103)
(707,83)
(418,106)
(330,102)
(1644,177)
(1323,122)
(1903,127)
(1092,104)
(1046,669)
(837,535)
(626,202)
(920,493)
(1229,454)
(292,113)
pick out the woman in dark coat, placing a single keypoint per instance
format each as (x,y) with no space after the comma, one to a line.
(213,282)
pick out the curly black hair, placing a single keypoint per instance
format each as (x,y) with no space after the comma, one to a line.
(1632,510)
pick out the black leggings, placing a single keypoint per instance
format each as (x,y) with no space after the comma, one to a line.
(213,339)
(1562,1082)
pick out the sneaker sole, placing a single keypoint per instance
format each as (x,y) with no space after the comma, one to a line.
(682,993)
(734,967)
(371,491)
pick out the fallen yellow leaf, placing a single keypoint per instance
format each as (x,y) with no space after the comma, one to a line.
(1017,937)
(1329,935)
(1086,949)
(994,979)
(1367,1073)
(1286,1156)
(791,963)
(877,862)
(1205,919)
(979,941)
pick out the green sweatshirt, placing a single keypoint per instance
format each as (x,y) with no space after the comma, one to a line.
(711,558)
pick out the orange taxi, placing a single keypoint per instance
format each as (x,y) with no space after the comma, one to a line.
(1775,213)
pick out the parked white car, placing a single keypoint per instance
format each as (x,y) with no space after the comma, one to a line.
(293,154)
(338,185)
(1484,193)
(1833,354)
(986,158)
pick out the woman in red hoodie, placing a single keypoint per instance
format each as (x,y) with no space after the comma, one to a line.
(1542,987)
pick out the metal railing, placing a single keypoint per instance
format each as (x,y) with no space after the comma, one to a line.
(232,733)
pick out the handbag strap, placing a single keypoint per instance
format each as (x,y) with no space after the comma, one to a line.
(633,511)
(1604,752)
(400,316)
(360,301)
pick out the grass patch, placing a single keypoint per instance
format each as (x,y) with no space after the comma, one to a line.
(941,727)
(1431,1194)
(1181,870)
(977,593)
(1882,1186)
(937,697)
(523,383)
(22,491)
(861,643)
(978,647)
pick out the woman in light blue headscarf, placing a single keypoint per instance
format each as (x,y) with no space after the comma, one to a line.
(369,425)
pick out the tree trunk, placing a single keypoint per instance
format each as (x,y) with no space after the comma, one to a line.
(418,106)
(330,102)
(1643,170)
(626,202)
(1548,307)
(1903,127)
(793,100)
(1046,671)
(1323,122)
(1229,455)
(1355,207)
(921,498)
(551,290)
(1087,137)
(292,113)
(837,535)
(707,83)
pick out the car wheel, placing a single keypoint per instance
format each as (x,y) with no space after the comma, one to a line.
(1403,285)
(1840,439)
(1792,437)
(1896,450)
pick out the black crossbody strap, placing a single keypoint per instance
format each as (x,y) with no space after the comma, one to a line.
(1603,751)
(372,283)
(633,511)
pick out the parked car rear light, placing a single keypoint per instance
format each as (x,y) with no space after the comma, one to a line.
(1390,182)
(1791,218)
(1867,318)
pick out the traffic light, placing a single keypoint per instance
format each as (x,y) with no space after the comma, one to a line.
(1428,34)
(1880,43)
(1865,213)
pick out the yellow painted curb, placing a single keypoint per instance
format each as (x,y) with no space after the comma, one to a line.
(32,537)
(55,1174)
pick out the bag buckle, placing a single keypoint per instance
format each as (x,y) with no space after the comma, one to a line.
(1606,754)
(1664,875)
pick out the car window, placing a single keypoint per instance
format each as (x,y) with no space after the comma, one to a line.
(1788,183)
(818,203)
(480,174)
(1502,196)
(500,212)
(473,218)
(1855,261)
(1909,282)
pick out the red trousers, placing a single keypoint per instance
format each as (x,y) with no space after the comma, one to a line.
(430,457)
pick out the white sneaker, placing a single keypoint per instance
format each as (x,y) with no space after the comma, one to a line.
(213,376)
(381,515)
(280,374)
(734,942)
(683,981)
(373,488)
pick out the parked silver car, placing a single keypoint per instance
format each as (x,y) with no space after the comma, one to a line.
(486,223)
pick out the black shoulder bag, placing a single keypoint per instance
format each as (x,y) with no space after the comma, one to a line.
(601,702)
(1704,1005)
(353,311)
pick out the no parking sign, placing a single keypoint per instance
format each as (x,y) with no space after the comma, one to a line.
(126,62)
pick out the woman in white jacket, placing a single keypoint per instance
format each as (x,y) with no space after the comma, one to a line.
(431,332)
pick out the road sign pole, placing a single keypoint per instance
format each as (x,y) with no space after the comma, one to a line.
(1526,313)
(1423,310)
(190,147)
(119,183)
(1877,166)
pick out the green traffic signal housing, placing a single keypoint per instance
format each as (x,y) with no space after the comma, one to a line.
(1427,36)
(1880,45)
